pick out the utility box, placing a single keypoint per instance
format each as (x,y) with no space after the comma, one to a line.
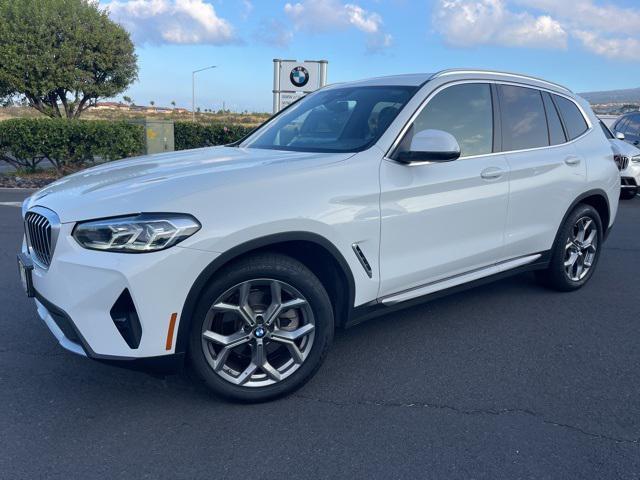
(159,136)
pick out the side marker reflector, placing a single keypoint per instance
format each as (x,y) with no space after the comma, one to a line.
(172,325)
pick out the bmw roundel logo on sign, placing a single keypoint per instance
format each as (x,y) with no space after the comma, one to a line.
(299,76)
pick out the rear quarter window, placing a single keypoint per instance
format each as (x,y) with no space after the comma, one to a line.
(556,131)
(574,122)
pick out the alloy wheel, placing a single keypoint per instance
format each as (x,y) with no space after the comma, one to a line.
(581,249)
(258,332)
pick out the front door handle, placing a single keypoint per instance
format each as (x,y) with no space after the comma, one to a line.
(572,160)
(492,173)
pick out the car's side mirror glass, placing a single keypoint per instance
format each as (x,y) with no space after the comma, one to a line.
(620,135)
(431,146)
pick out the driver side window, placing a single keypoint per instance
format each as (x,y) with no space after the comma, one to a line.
(465,111)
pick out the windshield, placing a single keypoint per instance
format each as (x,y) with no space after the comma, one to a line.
(349,119)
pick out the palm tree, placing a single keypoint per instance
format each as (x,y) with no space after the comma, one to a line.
(152,103)
(173,103)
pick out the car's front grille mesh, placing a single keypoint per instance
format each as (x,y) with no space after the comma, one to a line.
(39,237)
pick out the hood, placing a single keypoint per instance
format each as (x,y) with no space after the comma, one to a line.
(164,182)
(620,147)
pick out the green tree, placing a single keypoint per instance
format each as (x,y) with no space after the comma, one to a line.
(173,103)
(62,55)
(127,99)
(152,103)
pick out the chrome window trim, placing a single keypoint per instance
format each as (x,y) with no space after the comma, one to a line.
(443,87)
(454,71)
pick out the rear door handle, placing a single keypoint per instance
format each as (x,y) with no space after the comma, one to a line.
(572,160)
(492,173)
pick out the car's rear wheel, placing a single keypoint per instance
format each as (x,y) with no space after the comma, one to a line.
(261,328)
(576,250)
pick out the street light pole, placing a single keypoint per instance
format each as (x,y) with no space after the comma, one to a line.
(193,90)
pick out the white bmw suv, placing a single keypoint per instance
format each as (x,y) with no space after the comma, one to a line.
(359,199)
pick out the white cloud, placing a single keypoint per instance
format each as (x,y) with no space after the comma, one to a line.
(361,19)
(171,21)
(247,9)
(327,15)
(468,23)
(626,48)
(586,14)
(602,29)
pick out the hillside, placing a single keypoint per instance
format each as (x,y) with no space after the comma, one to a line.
(613,96)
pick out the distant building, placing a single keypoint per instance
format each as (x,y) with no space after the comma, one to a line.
(111,106)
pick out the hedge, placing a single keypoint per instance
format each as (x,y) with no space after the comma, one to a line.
(195,135)
(68,144)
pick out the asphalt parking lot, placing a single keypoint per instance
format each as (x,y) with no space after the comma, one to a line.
(503,381)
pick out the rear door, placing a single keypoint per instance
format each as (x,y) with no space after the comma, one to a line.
(547,172)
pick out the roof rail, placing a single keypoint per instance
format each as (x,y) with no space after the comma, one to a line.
(453,71)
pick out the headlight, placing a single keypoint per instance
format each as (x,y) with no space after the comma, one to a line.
(636,159)
(147,232)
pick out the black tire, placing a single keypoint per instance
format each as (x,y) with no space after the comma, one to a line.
(555,276)
(283,269)
(628,193)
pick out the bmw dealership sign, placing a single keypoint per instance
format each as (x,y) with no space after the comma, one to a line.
(293,79)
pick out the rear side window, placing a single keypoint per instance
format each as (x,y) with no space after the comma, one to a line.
(556,132)
(574,122)
(524,123)
(465,111)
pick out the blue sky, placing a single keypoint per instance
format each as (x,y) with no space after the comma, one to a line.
(584,44)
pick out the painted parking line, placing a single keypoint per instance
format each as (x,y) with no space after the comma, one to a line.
(10,204)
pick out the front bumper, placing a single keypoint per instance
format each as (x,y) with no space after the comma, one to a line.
(76,295)
(63,328)
(631,175)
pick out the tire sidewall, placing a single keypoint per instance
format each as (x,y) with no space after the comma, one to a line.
(280,268)
(559,250)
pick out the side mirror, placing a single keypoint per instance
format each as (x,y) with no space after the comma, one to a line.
(431,146)
(620,135)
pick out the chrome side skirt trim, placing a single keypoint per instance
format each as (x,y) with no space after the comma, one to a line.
(458,280)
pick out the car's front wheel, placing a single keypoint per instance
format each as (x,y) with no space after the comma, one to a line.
(261,328)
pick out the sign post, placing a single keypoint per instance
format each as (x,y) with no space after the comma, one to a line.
(293,80)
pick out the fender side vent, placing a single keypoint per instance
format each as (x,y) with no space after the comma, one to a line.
(125,318)
(363,260)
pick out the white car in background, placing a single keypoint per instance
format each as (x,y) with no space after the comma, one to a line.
(628,159)
(358,199)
